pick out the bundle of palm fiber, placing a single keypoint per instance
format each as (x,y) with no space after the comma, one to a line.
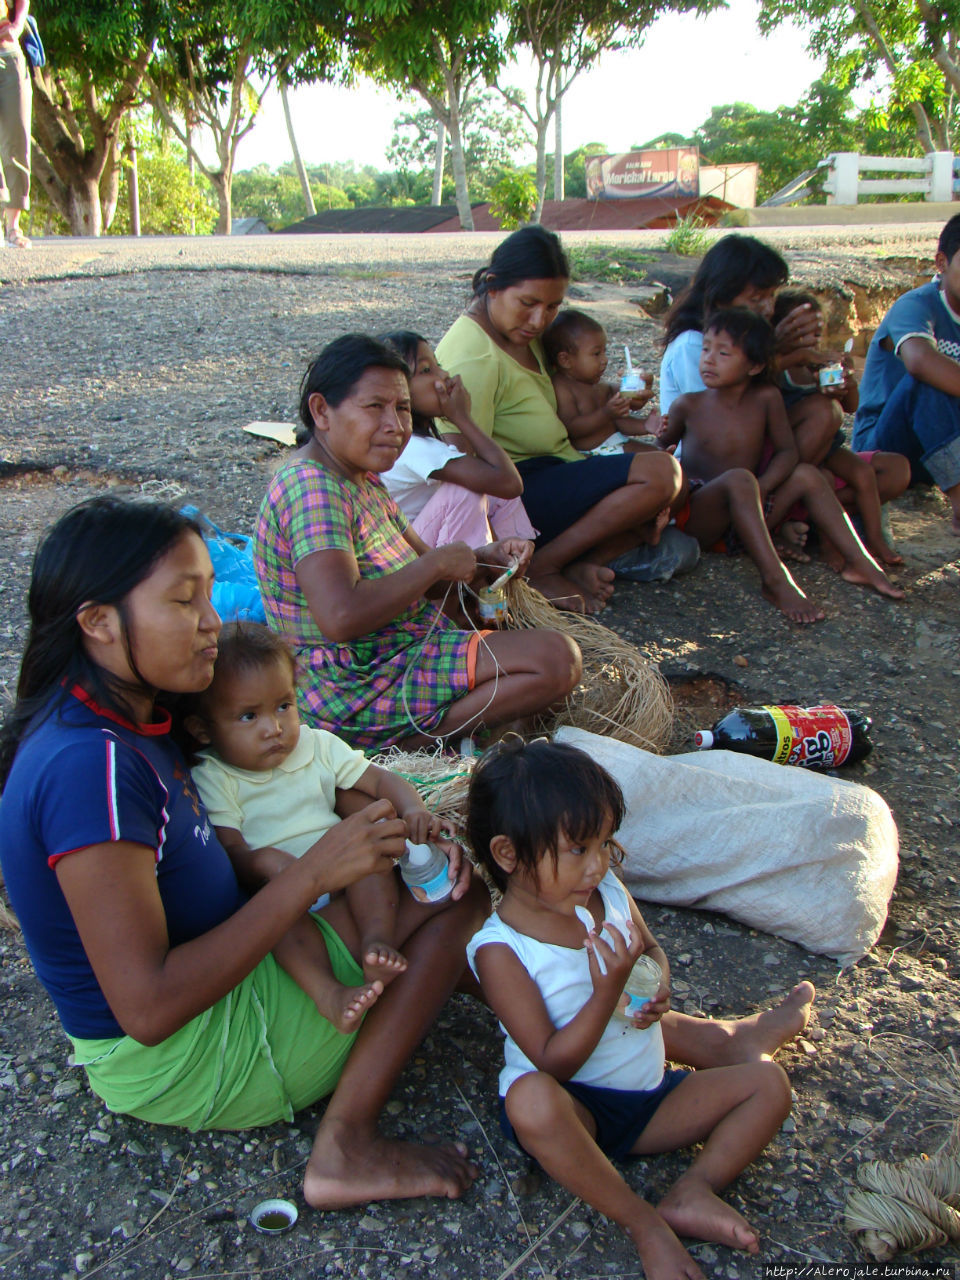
(905,1206)
(441,780)
(622,694)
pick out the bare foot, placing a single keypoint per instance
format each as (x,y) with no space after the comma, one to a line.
(831,555)
(560,591)
(791,540)
(381,961)
(867,573)
(759,1037)
(653,528)
(691,1208)
(882,551)
(789,599)
(663,1256)
(345,1169)
(593,581)
(344,1007)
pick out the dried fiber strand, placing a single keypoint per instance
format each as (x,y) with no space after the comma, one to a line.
(441,780)
(622,694)
(906,1205)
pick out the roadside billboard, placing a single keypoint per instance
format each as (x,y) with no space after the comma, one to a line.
(636,174)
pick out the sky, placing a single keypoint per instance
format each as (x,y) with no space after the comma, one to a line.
(686,66)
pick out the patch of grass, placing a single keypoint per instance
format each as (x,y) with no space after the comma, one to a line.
(688,238)
(608,265)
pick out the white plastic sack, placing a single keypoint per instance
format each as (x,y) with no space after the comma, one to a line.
(780,849)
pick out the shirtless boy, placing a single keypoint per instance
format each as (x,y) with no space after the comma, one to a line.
(597,417)
(723,430)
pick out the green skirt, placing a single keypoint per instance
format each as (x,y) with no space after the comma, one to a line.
(260,1054)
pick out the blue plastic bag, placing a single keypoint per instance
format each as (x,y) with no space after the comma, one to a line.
(236,592)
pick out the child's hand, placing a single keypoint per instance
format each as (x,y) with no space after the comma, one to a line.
(453,397)
(638,399)
(654,1009)
(617,406)
(422,825)
(618,958)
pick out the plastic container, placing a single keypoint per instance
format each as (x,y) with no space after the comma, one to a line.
(492,605)
(642,985)
(631,383)
(832,375)
(821,737)
(426,873)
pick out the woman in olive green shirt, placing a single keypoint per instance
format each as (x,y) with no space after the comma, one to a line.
(589,511)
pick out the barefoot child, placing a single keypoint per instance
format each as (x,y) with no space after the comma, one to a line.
(597,417)
(468,494)
(580,1087)
(863,481)
(273,787)
(723,431)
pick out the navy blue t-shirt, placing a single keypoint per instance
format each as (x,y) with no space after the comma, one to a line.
(84,777)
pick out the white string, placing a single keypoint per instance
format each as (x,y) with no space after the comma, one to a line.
(439,737)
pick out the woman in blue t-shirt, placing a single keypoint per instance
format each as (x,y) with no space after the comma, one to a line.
(159,966)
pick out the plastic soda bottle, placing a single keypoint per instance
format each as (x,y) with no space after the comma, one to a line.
(426,873)
(642,985)
(821,737)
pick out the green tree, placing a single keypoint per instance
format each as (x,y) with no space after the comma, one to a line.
(513,199)
(277,197)
(97,56)
(492,137)
(170,205)
(911,46)
(565,38)
(438,52)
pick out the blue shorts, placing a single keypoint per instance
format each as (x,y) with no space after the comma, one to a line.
(557,493)
(621,1115)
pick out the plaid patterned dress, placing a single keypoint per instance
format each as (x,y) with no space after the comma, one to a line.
(356,689)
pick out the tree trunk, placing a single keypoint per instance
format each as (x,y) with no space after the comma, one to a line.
(543,125)
(438,159)
(223,185)
(459,167)
(192,170)
(558,153)
(83,211)
(133,188)
(110,185)
(298,162)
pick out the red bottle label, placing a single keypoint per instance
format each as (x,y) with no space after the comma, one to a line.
(812,737)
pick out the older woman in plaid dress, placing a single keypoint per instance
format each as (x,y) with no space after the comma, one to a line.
(345,578)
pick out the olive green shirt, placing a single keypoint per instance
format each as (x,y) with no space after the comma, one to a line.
(514,405)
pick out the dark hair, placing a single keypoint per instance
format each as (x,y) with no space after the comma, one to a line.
(242,646)
(788,300)
(534,792)
(337,370)
(532,253)
(949,241)
(565,332)
(407,343)
(95,554)
(750,333)
(728,267)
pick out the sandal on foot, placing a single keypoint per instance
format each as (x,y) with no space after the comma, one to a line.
(17,240)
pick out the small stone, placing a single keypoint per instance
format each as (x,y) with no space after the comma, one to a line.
(432,1253)
(367,1223)
(816,1033)
(452,1227)
(740,661)
(789,1125)
(806,1047)
(82,1261)
(770,960)
(136,1149)
(66,1088)
(860,1125)
(394,1107)
(127,1228)
(97,1135)
(184,1265)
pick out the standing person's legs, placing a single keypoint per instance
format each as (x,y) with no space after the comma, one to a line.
(923,424)
(15,110)
(351,1162)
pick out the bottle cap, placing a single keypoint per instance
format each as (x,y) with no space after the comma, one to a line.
(704,739)
(419,854)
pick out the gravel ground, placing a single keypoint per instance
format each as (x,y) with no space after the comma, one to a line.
(134,364)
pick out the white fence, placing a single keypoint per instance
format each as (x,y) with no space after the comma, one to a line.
(934,176)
